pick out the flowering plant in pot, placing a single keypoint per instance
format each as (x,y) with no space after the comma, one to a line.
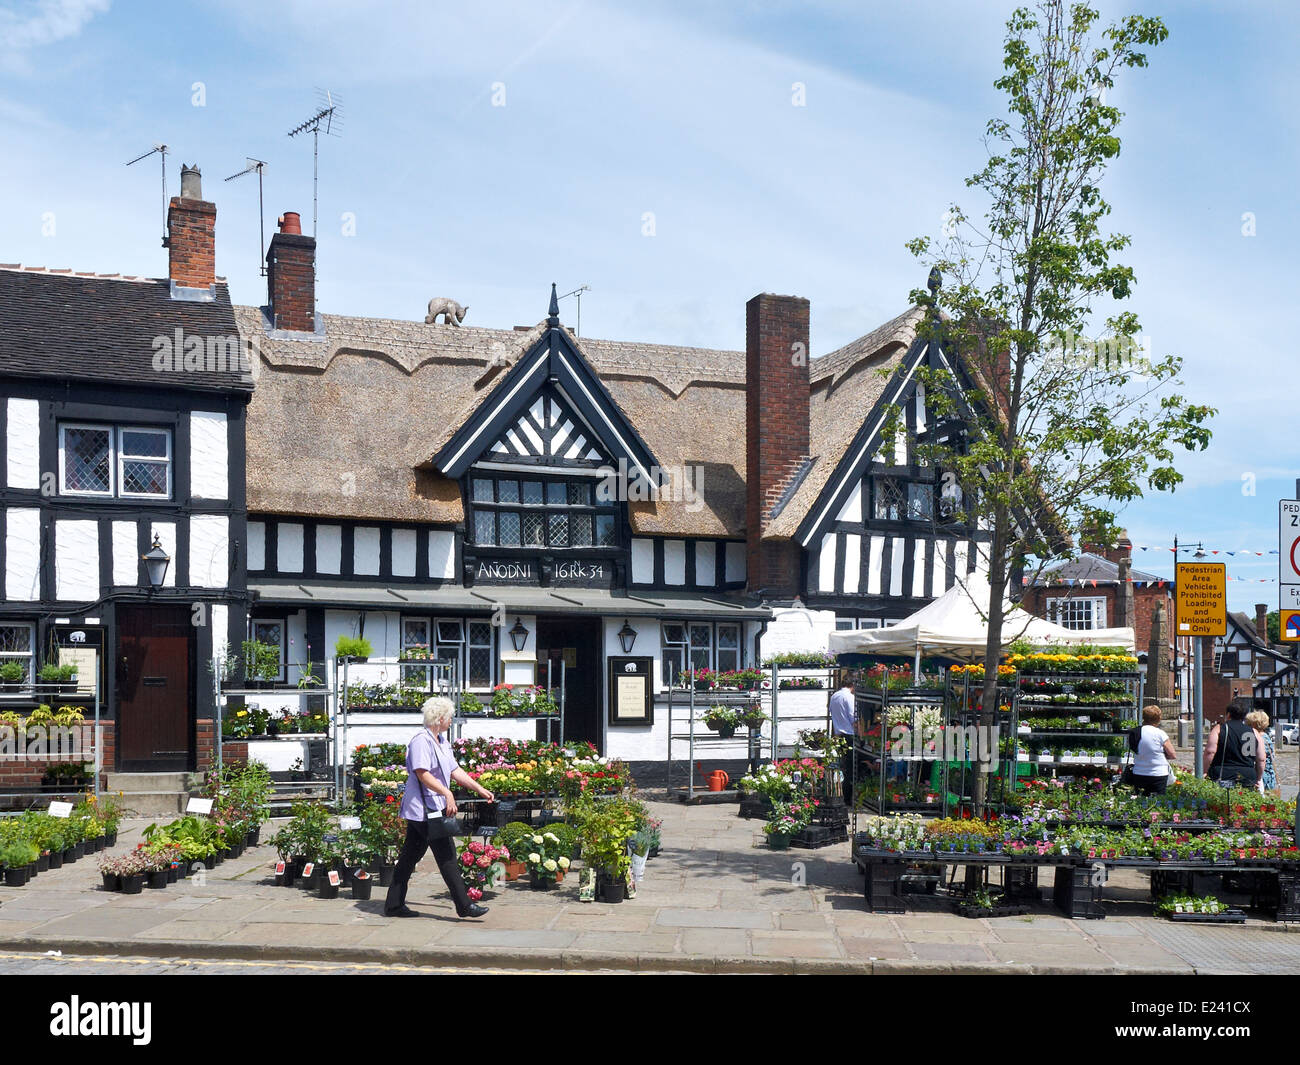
(481,863)
(702,680)
(605,828)
(787,819)
(722,720)
(546,861)
(512,840)
(752,717)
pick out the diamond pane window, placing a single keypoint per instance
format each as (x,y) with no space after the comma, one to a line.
(605,530)
(87,459)
(481,490)
(920,502)
(507,491)
(890,502)
(144,444)
(485,527)
(145,456)
(532,492)
(508,529)
(144,478)
(559,530)
(579,494)
(555,494)
(16,646)
(534,530)
(480,654)
(580,530)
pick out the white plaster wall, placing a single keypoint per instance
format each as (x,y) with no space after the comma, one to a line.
(643,561)
(826,564)
(853,562)
(404,552)
(852,509)
(219,619)
(329,549)
(209,551)
(442,555)
(706,563)
(23,438)
(126,555)
(798,630)
(256,546)
(209,455)
(735,562)
(674,562)
(288,547)
(365,551)
(295,648)
(76,560)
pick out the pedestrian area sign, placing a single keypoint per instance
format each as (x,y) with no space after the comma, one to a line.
(1289,626)
(1201,598)
(1288,552)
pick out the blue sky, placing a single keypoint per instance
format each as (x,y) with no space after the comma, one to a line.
(684,111)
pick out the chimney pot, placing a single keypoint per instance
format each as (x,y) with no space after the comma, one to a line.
(191,183)
(291,222)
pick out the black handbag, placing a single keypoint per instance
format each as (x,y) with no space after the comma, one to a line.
(438,824)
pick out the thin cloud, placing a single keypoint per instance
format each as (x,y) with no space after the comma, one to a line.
(42,23)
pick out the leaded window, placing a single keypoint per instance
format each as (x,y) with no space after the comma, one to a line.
(533,513)
(132,462)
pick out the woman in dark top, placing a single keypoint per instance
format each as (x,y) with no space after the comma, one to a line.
(1234,752)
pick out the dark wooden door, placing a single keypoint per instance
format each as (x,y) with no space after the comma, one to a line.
(154,689)
(582,681)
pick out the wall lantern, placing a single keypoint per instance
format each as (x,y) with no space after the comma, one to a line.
(519,635)
(627,637)
(156,563)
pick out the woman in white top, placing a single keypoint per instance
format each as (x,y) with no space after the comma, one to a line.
(1152,754)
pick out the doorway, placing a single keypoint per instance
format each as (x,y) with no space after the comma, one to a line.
(576,642)
(155,648)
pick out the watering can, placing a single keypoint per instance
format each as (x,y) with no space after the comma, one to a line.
(718,780)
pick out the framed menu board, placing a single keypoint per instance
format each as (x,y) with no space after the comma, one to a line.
(631,691)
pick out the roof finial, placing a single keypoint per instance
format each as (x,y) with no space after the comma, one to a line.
(553,312)
(935,282)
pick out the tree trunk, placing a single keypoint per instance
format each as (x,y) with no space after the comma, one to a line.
(993,645)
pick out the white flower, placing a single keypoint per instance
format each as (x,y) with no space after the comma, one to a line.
(552,837)
(564,863)
(549,865)
(534,857)
(537,840)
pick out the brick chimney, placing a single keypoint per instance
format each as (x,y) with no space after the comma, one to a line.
(1261,622)
(291,277)
(776,433)
(191,239)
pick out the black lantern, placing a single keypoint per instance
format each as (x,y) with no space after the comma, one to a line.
(627,637)
(519,635)
(156,563)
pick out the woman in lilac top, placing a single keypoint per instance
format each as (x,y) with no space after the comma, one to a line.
(430,771)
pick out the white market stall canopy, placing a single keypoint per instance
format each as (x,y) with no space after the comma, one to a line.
(956,626)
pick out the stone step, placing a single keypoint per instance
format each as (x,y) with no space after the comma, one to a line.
(136,782)
(152,803)
(151,794)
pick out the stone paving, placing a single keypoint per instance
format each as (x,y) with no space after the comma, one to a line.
(715,900)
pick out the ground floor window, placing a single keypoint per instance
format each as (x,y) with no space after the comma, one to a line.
(699,645)
(17,648)
(470,645)
(270,632)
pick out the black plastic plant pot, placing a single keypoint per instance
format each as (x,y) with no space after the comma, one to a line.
(110,839)
(253,838)
(173,874)
(43,862)
(112,882)
(210,861)
(385,875)
(326,889)
(157,878)
(361,887)
(79,849)
(69,855)
(133,885)
(56,859)
(14,878)
(611,888)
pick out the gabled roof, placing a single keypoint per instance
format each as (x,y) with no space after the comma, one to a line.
(87,327)
(846,388)
(1091,567)
(373,399)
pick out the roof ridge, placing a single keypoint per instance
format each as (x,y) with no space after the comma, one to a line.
(67,271)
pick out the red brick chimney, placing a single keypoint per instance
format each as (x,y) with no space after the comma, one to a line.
(776,433)
(1261,622)
(191,239)
(291,277)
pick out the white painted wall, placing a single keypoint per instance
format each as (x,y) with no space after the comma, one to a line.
(442,555)
(735,562)
(852,562)
(706,563)
(295,647)
(826,564)
(209,551)
(23,554)
(674,561)
(329,549)
(852,509)
(219,619)
(76,560)
(365,551)
(126,555)
(23,438)
(256,546)
(939,578)
(643,561)
(877,557)
(209,455)
(404,552)
(288,547)
(798,630)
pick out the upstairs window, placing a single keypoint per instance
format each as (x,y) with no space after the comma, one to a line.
(530,512)
(126,462)
(1078,614)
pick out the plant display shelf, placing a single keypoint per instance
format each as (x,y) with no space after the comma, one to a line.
(686,729)
(1226,916)
(55,694)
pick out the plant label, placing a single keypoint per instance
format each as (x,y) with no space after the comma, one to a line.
(306,869)
(507,805)
(60,809)
(349,824)
(330,837)
(334,878)
(279,868)
(198,806)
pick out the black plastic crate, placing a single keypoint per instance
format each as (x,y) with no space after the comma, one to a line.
(1021,882)
(1074,894)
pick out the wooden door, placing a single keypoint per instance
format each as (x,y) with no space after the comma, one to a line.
(154,690)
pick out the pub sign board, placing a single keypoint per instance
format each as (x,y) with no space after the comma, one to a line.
(631,691)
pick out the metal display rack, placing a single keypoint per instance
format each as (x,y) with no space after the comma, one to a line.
(686,726)
(52,695)
(873,708)
(1064,703)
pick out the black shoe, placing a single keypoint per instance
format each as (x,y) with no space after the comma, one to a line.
(475,910)
(405,911)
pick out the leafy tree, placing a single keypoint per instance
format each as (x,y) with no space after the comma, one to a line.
(1273,621)
(1068,429)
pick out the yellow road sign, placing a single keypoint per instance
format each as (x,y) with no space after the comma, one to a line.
(1201,591)
(1289,626)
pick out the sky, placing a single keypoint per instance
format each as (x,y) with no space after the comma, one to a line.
(665,155)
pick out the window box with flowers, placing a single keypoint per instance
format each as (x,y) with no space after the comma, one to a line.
(702,680)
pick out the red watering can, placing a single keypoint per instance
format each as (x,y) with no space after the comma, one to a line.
(718,780)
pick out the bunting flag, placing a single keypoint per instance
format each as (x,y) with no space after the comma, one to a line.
(1193,548)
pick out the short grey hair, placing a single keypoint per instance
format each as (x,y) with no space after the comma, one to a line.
(438,713)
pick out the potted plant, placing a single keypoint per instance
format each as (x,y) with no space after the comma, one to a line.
(787,819)
(546,863)
(512,839)
(640,845)
(722,720)
(261,663)
(605,829)
(12,675)
(481,862)
(362,884)
(354,648)
(752,717)
(50,675)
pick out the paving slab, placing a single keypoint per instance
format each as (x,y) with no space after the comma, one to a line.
(793,945)
(516,938)
(951,952)
(857,947)
(714,918)
(715,942)
(632,943)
